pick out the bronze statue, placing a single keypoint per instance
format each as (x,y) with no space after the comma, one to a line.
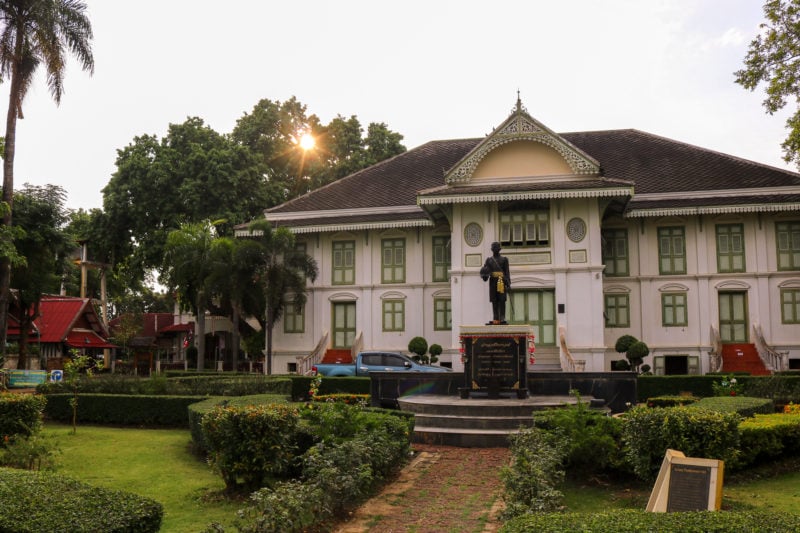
(496,269)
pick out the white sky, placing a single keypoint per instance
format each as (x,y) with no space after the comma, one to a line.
(429,69)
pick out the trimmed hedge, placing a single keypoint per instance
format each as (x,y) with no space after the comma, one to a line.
(337,385)
(20,414)
(648,433)
(742,405)
(193,385)
(126,410)
(638,520)
(765,437)
(32,502)
(670,401)
(783,388)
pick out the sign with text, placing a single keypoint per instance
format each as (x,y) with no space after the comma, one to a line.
(26,379)
(495,359)
(687,484)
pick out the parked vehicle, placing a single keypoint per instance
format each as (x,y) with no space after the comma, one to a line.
(367,362)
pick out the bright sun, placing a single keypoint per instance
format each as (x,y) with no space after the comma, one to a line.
(307,141)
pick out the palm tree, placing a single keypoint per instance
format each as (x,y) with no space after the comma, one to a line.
(282,270)
(187,257)
(34,32)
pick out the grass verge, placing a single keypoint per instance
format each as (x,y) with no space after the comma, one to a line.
(156,463)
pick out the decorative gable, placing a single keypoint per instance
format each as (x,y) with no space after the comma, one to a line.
(521,127)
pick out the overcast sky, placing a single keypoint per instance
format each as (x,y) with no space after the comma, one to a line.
(429,69)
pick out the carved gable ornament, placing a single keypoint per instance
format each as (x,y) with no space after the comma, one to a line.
(520,126)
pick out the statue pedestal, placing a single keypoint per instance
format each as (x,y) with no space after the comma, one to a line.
(495,360)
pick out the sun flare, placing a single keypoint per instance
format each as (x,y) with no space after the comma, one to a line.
(307,141)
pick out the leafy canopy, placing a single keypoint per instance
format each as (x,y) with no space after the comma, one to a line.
(773,58)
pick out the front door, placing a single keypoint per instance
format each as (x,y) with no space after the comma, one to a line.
(733,317)
(344,324)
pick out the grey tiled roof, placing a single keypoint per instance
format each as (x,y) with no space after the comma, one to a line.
(653,164)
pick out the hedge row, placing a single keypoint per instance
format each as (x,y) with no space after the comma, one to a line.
(119,409)
(765,437)
(20,414)
(743,405)
(638,520)
(782,388)
(32,502)
(338,385)
(195,385)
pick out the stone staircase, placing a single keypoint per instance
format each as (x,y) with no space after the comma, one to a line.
(476,422)
(743,358)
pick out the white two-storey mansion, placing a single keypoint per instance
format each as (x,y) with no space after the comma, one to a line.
(607,233)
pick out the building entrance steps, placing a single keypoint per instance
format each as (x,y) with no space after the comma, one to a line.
(743,358)
(477,422)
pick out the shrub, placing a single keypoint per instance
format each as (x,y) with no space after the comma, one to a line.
(530,481)
(766,437)
(650,386)
(20,414)
(337,473)
(648,433)
(349,399)
(251,447)
(783,388)
(620,365)
(435,351)
(593,440)
(182,385)
(670,401)
(638,520)
(728,386)
(112,409)
(300,386)
(419,347)
(742,405)
(33,452)
(37,501)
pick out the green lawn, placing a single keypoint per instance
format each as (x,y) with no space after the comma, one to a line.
(156,463)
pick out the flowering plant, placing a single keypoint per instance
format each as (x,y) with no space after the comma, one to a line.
(792,408)
(729,386)
(313,390)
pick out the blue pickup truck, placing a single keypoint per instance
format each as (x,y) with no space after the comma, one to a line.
(376,361)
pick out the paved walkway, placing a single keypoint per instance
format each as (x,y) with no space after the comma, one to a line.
(442,489)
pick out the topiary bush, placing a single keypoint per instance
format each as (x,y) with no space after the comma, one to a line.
(671,401)
(742,405)
(35,501)
(419,347)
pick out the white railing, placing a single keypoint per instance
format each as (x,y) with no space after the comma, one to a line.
(715,353)
(304,363)
(773,359)
(568,364)
(358,346)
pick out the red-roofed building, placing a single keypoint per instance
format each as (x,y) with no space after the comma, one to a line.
(65,323)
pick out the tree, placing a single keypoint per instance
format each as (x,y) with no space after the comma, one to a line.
(281,273)
(188,268)
(635,350)
(774,59)
(190,175)
(34,33)
(41,214)
(419,347)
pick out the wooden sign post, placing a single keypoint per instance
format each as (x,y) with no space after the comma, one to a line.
(687,484)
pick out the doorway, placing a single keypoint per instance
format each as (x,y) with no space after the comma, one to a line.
(344,324)
(733,317)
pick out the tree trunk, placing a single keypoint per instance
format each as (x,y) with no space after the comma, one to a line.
(268,355)
(200,333)
(235,338)
(8,191)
